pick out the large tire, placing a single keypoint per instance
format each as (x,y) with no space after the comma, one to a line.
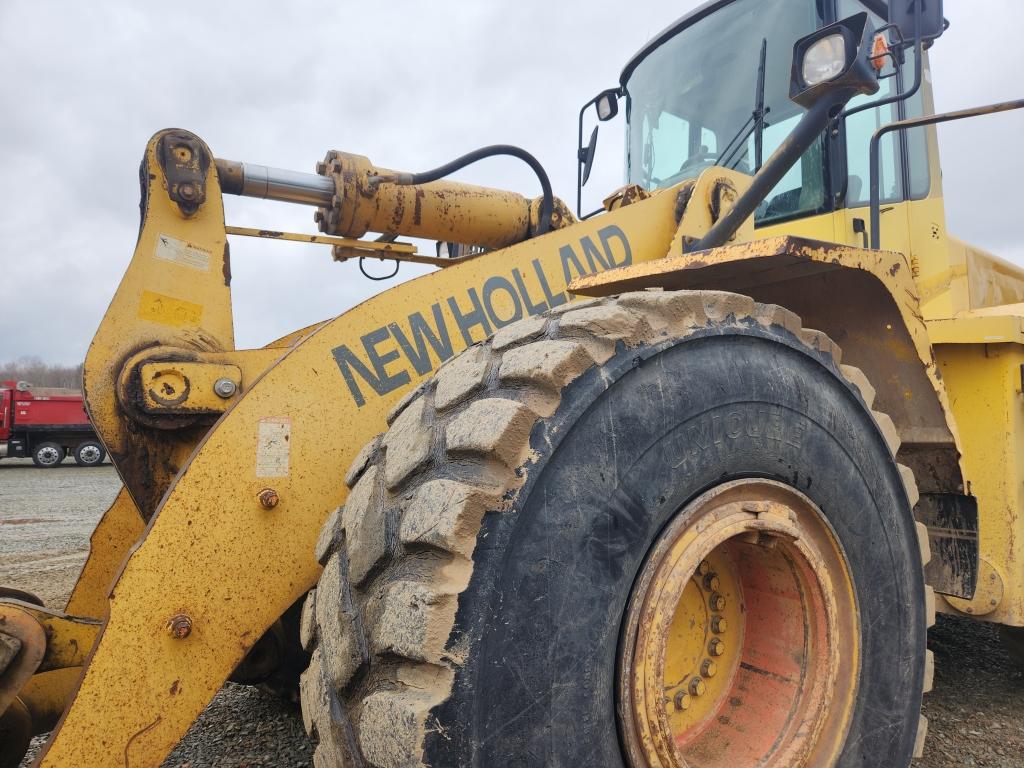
(48,455)
(1013,642)
(477,587)
(90,453)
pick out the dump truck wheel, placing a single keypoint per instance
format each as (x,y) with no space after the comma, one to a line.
(659,530)
(48,455)
(89,453)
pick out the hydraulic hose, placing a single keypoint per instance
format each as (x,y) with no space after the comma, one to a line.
(547,204)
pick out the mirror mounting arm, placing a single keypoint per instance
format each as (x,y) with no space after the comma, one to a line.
(585,154)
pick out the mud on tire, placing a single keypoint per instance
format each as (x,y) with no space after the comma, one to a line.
(475,581)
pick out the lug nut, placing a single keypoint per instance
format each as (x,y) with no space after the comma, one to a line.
(180,626)
(719,625)
(225,387)
(697,687)
(717,602)
(712,583)
(716,647)
(704,568)
(268,498)
(708,668)
(681,701)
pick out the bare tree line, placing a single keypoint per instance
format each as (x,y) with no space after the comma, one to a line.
(39,373)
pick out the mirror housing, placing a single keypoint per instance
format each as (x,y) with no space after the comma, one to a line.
(586,156)
(850,41)
(903,15)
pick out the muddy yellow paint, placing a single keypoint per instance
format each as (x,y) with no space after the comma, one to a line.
(213,553)
(984,382)
(118,529)
(167,310)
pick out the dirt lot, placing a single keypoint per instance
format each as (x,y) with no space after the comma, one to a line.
(976,711)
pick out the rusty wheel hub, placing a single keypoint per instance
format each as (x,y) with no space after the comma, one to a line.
(741,644)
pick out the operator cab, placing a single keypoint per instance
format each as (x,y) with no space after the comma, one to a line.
(714,89)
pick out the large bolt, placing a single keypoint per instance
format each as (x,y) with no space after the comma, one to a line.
(719,625)
(717,602)
(268,498)
(716,647)
(180,626)
(704,568)
(187,191)
(708,668)
(712,583)
(225,387)
(697,687)
(681,701)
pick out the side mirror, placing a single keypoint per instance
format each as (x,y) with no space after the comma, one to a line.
(834,60)
(606,104)
(586,156)
(905,15)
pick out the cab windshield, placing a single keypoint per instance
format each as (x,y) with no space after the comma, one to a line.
(694,96)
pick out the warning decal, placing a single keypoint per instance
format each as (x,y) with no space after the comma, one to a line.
(171,249)
(273,447)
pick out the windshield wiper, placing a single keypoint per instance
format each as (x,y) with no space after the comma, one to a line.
(755,123)
(759,108)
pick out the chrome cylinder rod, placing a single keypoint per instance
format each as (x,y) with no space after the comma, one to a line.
(250,180)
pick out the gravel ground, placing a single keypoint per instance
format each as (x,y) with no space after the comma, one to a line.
(976,711)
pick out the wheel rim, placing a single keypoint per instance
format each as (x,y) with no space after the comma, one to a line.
(90,454)
(742,638)
(49,455)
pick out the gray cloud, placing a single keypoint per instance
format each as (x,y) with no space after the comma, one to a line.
(409,84)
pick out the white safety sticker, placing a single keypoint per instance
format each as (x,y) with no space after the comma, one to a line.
(171,249)
(273,447)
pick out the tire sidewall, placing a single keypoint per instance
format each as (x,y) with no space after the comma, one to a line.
(44,465)
(89,444)
(633,442)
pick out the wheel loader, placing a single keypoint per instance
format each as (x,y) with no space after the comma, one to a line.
(678,482)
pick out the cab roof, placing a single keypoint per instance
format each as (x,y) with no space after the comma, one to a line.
(878,6)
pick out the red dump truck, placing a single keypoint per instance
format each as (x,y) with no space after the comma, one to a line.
(47,424)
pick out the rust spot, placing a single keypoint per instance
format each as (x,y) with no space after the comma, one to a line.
(270,233)
(268,498)
(417,211)
(894,269)
(226,268)
(180,626)
(399,213)
(174,688)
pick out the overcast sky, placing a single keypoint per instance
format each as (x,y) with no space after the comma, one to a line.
(410,84)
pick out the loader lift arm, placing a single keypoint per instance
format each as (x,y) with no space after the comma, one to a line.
(202,585)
